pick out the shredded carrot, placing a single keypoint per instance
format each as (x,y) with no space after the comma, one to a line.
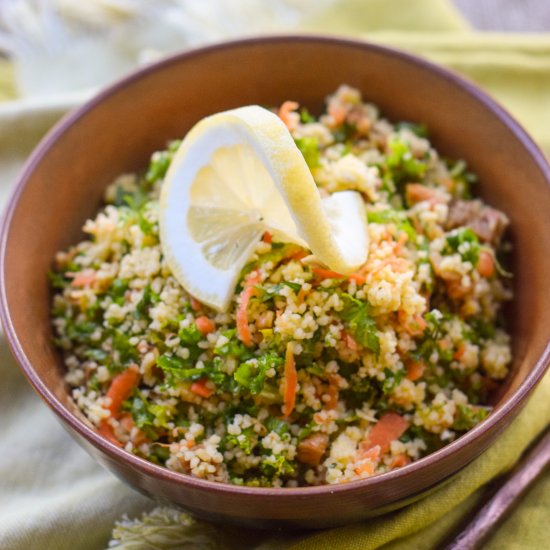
(389,428)
(367,467)
(415,370)
(397,264)
(359,278)
(290,381)
(400,460)
(301,295)
(460,351)
(121,387)
(416,192)
(297,255)
(200,388)
(323,273)
(285,112)
(337,111)
(267,237)
(372,453)
(205,325)
(486,264)
(106,430)
(349,340)
(129,426)
(84,278)
(443,344)
(398,246)
(333,392)
(195,304)
(414,327)
(243,330)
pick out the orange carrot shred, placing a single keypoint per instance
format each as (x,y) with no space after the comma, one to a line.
(358,278)
(290,381)
(323,273)
(349,340)
(243,330)
(121,388)
(106,430)
(400,460)
(285,110)
(415,370)
(84,278)
(267,237)
(200,388)
(460,351)
(333,392)
(485,264)
(195,304)
(205,325)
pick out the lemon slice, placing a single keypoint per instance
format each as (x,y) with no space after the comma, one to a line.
(236,175)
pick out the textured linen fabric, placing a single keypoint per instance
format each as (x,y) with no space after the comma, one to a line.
(53,496)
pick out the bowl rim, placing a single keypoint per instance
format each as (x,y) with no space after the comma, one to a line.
(511,406)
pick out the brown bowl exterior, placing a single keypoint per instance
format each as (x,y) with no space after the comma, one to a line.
(116,132)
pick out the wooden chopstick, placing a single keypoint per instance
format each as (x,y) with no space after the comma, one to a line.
(507,495)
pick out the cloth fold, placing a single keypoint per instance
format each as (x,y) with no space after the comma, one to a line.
(54,496)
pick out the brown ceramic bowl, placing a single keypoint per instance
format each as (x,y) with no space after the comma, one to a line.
(62,184)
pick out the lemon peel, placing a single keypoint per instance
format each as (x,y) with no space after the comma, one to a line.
(236,175)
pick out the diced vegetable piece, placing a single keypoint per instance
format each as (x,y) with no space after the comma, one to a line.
(205,325)
(312,449)
(389,428)
(201,388)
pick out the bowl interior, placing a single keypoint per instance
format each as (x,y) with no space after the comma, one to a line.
(63,183)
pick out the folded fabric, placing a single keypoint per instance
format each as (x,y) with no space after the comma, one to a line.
(55,496)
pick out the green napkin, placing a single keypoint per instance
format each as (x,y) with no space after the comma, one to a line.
(55,497)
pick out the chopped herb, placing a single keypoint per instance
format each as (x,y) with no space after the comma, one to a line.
(465,242)
(58,280)
(401,165)
(309,147)
(359,322)
(149,298)
(269,292)
(399,218)
(467,416)
(118,290)
(160,162)
(305,116)
(251,375)
(392,380)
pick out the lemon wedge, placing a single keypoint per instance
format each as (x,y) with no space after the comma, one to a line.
(235,175)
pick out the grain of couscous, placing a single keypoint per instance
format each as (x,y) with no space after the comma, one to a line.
(311,377)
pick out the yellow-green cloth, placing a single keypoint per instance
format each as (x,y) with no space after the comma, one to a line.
(54,496)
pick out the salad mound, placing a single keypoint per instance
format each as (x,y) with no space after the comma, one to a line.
(310,376)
